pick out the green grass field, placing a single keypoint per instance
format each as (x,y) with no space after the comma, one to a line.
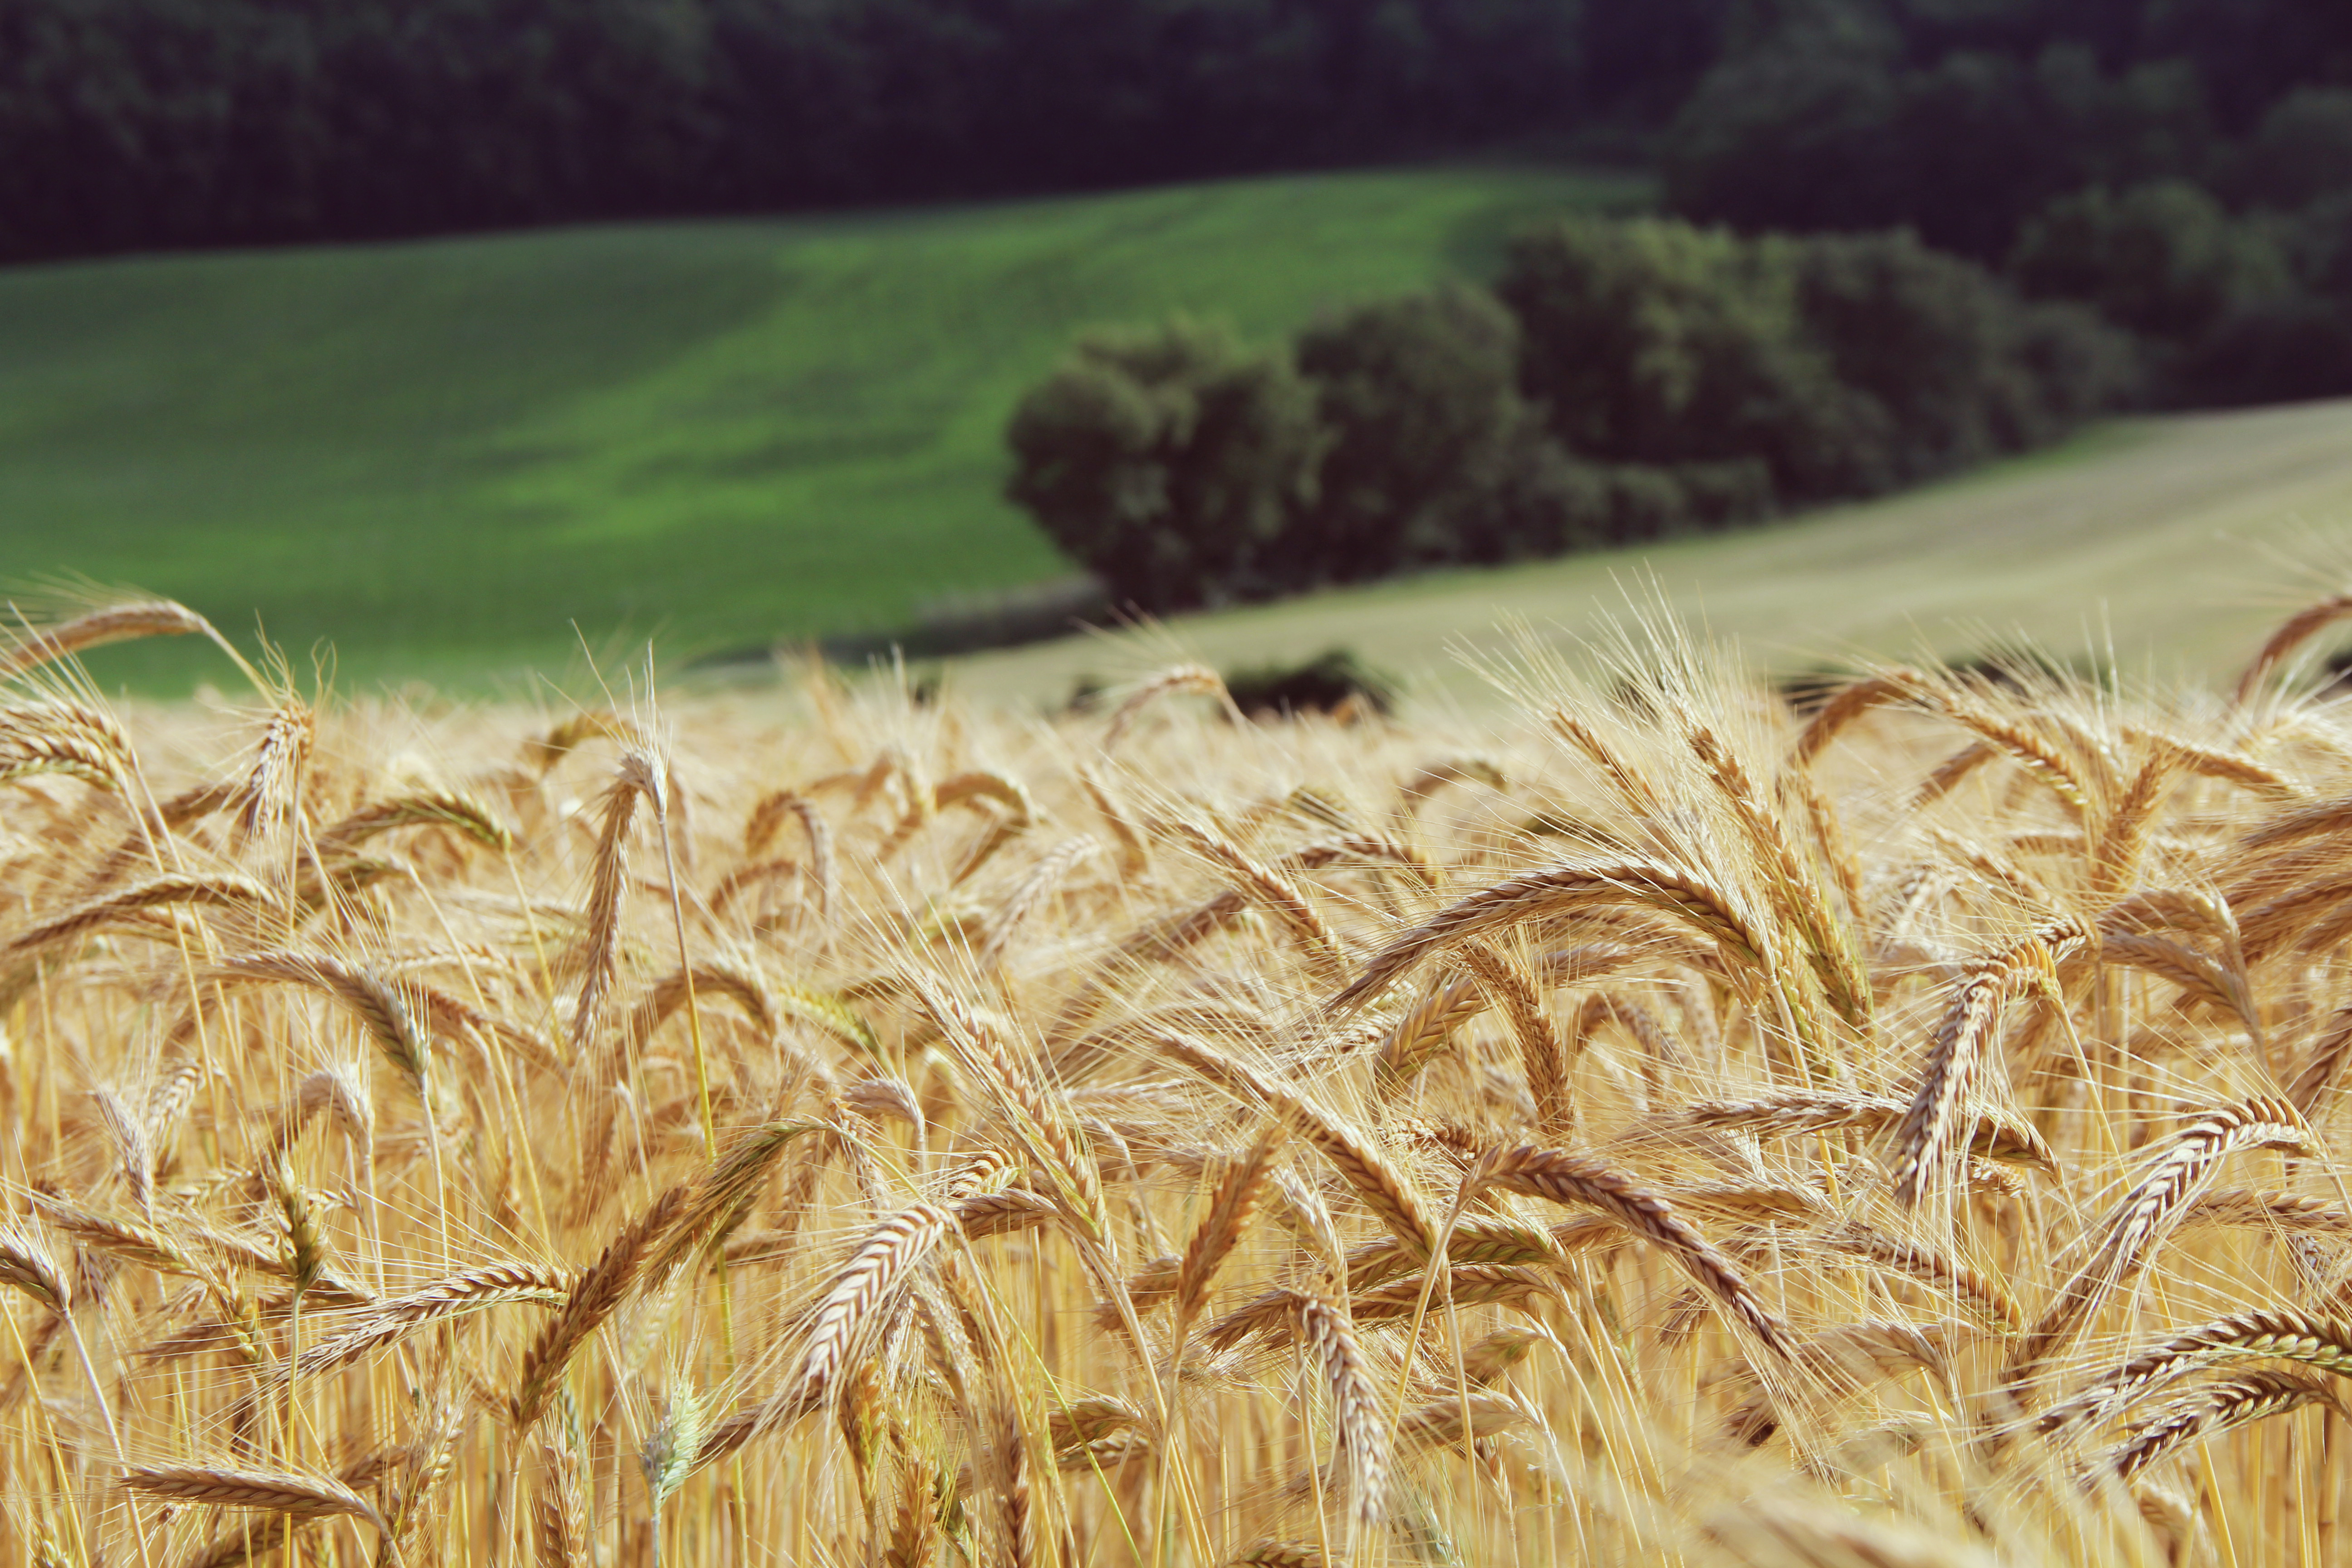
(442,456)
(2168,546)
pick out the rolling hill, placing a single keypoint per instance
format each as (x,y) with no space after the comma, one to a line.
(444,456)
(2169,545)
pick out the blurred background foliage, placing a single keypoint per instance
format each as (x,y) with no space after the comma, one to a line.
(1895,238)
(1908,236)
(1625,381)
(146,124)
(2183,166)
(139,123)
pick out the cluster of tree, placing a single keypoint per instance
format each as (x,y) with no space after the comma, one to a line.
(135,124)
(2184,166)
(129,123)
(1622,382)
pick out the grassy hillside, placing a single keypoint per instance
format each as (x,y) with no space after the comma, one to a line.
(442,455)
(2174,542)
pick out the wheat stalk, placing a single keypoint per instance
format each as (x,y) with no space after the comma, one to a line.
(270,1491)
(559,1515)
(2265,1334)
(1827,945)
(389,1321)
(1578,1179)
(1040,1117)
(1182,677)
(1276,894)
(1983,1296)
(1375,1179)
(1231,1206)
(2291,634)
(1706,909)
(1358,1420)
(889,1252)
(427,808)
(2150,1210)
(271,795)
(1924,1140)
(2214,1408)
(222,890)
(379,1005)
(2270,1211)
(1851,702)
(639,778)
(599,1290)
(37,646)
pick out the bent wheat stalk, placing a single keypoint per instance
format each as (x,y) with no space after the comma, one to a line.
(1709,909)
(2291,634)
(2151,1210)
(220,889)
(1576,1179)
(1375,1178)
(1358,1421)
(271,1491)
(2215,1409)
(593,1297)
(37,646)
(1926,1145)
(2278,1333)
(489,1285)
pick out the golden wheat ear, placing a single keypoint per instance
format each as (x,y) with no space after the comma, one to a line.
(2291,634)
(2150,1211)
(2213,1408)
(1182,677)
(1359,1420)
(1926,1142)
(267,1492)
(1579,1179)
(35,646)
(2312,1339)
(595,1296)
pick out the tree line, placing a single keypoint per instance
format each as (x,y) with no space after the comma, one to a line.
(144,123)
(2183,166)
(2009,215)
(2018,211)
(1622,382)
(141,123)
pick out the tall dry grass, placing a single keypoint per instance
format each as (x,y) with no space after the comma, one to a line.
(1666,1129)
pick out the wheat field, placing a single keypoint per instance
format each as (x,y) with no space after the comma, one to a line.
(1664,1127)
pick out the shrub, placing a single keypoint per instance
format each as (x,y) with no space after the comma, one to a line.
(1657,343)
(2217,299)
(2088,160)
(1536,500)
(1419,399)
(1334,680)
(1168,462)
(2302,152)
(1955,369)
(2164,259)
(1790,136)
(1839,365)
(1396,438)
(2291,346)
(1552,504)
(2082,368)
(2319,242)
(1633,380)
(1828,123)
